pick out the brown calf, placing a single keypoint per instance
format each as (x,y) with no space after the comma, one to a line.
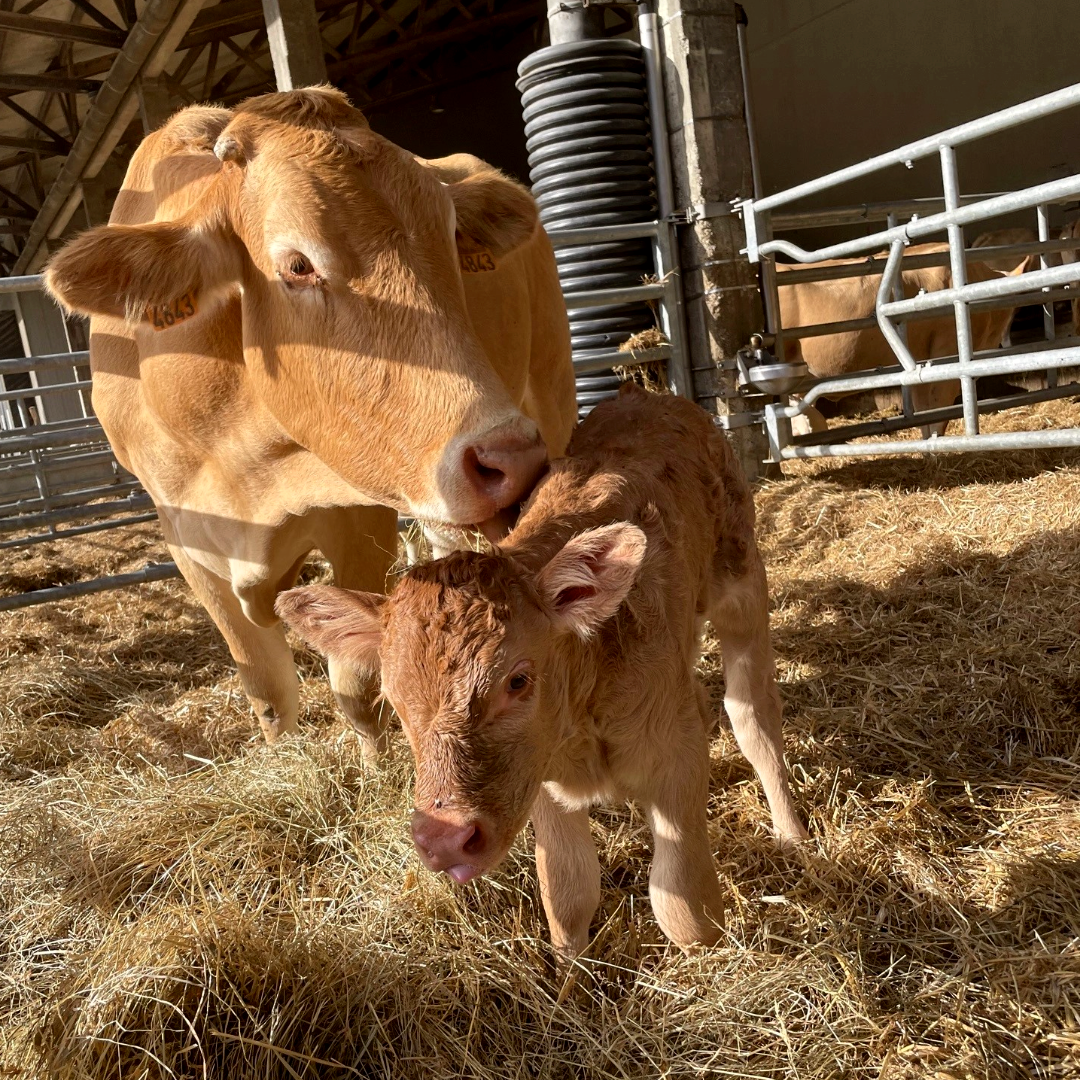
(558,672)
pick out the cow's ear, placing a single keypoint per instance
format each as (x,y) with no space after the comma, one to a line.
(494,213)
(339,623)
(585,582)
(122,270)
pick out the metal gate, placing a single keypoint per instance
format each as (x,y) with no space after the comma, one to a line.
(58,476)
(770,373)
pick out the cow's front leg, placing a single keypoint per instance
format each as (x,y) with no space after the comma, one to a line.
(262,655)
(683,888)
(361,548)
(569,873)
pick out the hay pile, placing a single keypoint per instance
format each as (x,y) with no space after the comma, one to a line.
(179,900)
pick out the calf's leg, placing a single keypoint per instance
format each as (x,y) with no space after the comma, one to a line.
(262,655)
(685,894)
(569,873)
(741,620)
(361,549)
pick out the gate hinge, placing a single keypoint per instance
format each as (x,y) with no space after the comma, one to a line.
(703,211)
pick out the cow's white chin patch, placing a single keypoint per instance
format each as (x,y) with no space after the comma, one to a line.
(463,872)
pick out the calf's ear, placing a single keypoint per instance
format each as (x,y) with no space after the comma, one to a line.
(122,270)
(340,623)
(585,582)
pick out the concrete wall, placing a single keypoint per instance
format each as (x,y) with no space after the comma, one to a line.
(836,81)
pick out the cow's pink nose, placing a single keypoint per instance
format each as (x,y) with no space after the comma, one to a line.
(504,466)
(447,845)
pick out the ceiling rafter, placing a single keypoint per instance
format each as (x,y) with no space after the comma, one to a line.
(383,52)
(48,82)
(60,30)
(102,20)
(63,144)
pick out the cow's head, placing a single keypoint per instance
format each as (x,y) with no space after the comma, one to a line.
(343,250)
(474,658)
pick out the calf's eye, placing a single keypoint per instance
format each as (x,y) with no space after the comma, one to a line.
(517,683)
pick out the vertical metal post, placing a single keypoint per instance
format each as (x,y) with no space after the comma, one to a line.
(1049,330)
(665,244)
(898,294)
(951,188)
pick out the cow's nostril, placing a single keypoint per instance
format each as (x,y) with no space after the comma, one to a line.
(503,468)
(476,843)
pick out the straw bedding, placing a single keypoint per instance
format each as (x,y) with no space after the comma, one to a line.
(177,899)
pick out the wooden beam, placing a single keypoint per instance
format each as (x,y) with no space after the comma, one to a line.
(14,161)
(49,82)
(248,58)
(40,124)
(102,20)
(37,146)
(296,46)
(369,59)
(12,197)
(60,30)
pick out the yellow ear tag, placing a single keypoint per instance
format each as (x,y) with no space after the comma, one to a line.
(476,262)
(163,316)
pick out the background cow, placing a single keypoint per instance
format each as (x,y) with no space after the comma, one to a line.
(283,339)
(841,299)
(559,672)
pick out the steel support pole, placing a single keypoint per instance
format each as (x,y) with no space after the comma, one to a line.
(710,153)
(1042,214)
(296,45)
(958,267)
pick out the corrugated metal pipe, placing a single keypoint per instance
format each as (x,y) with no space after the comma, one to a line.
(590,163)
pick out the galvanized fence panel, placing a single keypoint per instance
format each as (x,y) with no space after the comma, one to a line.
(58,475)
(927,219)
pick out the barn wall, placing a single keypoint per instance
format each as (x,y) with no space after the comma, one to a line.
(836,81)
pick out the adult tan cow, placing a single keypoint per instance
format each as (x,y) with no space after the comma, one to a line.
(841,299)
(284,344)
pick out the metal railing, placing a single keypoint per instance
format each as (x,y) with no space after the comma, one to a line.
(781,377)
(58,475)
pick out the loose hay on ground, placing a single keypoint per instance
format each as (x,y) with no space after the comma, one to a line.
(178,900)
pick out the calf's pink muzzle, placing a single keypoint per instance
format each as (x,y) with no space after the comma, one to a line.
(451,847)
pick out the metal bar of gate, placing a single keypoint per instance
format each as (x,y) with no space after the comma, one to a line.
(797,275)
(955,136)
(154,572)
(999,206)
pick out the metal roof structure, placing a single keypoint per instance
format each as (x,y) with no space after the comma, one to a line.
(81,81)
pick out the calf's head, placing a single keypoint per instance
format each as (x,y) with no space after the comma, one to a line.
(343,251)
(474,659)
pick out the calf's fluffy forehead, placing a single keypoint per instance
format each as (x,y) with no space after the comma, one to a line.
(452,617)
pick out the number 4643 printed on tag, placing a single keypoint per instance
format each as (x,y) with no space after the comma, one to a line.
(162,316)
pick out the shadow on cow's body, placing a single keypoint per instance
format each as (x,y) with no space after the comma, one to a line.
(559,671)
(283,344)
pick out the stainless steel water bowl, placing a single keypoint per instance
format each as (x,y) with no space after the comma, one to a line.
(777,378)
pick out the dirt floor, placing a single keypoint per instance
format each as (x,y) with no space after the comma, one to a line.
(177,899)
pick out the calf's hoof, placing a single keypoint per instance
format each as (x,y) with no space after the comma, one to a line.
(274,726)
(690,927)
(792,837)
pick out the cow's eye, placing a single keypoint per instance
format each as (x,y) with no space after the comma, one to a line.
(296,269)
(518,682)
